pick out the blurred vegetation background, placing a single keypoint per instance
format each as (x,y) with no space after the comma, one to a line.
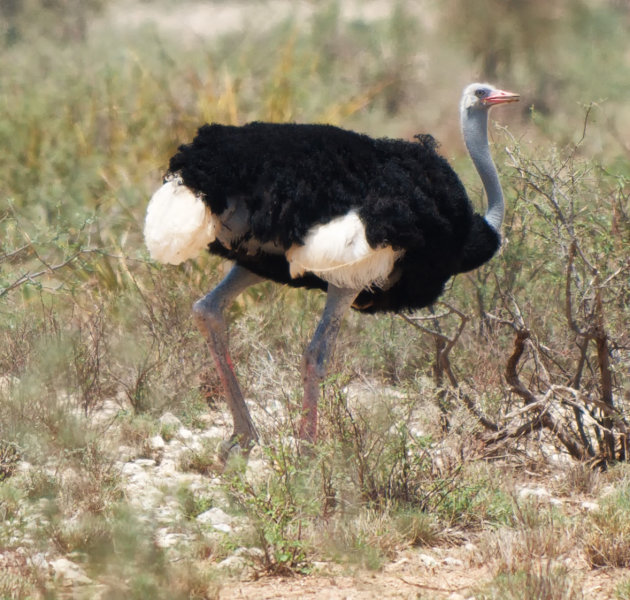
(96,95)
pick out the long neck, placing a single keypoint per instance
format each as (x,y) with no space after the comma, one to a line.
(475,130)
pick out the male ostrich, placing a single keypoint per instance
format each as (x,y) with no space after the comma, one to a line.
(379,224)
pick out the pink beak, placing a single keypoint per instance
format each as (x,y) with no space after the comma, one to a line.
(501,97)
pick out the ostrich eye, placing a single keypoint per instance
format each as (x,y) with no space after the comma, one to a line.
(481,93)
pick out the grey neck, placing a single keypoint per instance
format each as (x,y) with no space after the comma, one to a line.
(475,130)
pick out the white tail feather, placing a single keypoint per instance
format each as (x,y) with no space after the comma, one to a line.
(338,252)
(178,225)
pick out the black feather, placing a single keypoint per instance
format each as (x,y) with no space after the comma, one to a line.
(290,177)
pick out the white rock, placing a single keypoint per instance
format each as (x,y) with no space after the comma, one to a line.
(168,419)
(428,561)
(193,444)
(7,382)
(184,435)
(257,470)
(233,563)
(131,469)
(23,467)
(166,539)
(167,468)
(69,572)
(252,553)
(450,561)
(213,433)
(157,443)
(145,463)
(175,448)
(39,561)
(126,453)
(540,493)
(589,506)
(140,487)
(167,513)
(216,518)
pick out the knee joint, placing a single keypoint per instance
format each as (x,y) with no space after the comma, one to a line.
(206,312)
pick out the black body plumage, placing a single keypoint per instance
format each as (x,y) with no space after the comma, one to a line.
(286,178)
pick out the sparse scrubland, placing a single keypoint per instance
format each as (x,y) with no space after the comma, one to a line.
(477,449)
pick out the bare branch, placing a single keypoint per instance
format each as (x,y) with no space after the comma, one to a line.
(15,253)
(31,277)
(511,375)
(568,304)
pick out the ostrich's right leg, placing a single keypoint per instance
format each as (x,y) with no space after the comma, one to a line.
(208,314)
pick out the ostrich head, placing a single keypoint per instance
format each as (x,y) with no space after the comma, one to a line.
(482,96)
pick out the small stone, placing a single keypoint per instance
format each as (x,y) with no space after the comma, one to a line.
(450,561)
(318,565)
(168,419)
(216,518)
(428,561)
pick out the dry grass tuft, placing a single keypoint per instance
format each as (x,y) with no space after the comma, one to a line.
(539,534)
(544,582)
(607,533)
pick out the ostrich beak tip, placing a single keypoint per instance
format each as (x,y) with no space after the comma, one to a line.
(501,97)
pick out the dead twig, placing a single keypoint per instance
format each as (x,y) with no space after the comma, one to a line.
(31,277)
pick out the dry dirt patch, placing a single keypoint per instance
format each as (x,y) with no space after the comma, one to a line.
(408,576)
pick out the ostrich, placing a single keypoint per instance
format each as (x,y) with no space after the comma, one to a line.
(379,224)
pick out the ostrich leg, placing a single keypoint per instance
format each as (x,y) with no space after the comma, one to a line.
(316,356)
(208,314)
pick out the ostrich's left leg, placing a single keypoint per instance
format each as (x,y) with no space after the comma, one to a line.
(317,355)
(208,313)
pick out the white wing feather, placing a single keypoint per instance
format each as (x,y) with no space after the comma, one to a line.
(339,253)
(178,225)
